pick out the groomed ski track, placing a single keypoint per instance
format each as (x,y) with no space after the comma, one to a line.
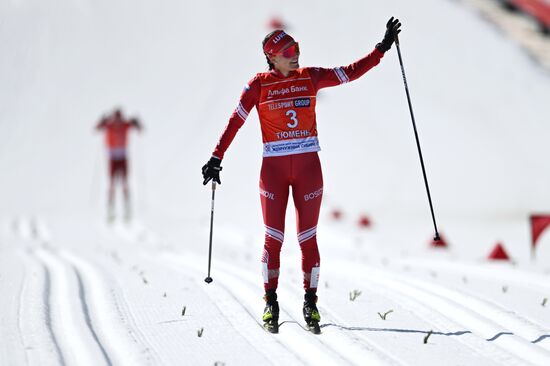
(86,317)
(83,308)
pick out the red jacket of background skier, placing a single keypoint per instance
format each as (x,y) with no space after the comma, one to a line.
(116,129)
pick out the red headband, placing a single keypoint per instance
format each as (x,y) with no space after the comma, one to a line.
(277,42)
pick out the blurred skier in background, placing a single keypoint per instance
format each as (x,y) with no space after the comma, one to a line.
(285,99)
(116,128)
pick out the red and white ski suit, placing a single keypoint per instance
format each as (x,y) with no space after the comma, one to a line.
(116,139)
(286,110)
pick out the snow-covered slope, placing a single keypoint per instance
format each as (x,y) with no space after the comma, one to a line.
(78,291)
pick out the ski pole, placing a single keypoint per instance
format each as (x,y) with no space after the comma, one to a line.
(209,279)
(436,237)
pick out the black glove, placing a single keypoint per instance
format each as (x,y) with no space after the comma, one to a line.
(211,170)
(392,30)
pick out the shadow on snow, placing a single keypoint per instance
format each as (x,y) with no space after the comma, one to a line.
(426,332)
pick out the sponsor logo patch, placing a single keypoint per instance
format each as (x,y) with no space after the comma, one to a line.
(283,91)
(279,37)
(267,194)
(302,103)
(313,195)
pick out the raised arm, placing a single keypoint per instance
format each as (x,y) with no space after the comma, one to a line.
(135,123)
(101,124)
(323,77)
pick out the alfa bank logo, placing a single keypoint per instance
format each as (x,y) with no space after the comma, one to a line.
(283,91)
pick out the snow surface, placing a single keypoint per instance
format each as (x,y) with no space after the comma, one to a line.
(76,291)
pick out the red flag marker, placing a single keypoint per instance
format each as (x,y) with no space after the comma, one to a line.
(539,223)
(499,253)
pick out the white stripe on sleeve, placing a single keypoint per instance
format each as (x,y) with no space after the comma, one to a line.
(341,74)
(241,112)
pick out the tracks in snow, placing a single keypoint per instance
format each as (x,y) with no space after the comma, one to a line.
(70,321)
(333,346)
(490,331)
(497,272)
(84,317)
(514,336)
(75,314)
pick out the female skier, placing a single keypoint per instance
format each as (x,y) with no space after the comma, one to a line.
(285,99)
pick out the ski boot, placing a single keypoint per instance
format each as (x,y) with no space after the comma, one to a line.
(311,314)
(271,312)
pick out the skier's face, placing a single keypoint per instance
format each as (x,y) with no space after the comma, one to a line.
(287,60)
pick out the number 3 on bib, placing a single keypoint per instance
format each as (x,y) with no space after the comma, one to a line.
(292,114)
